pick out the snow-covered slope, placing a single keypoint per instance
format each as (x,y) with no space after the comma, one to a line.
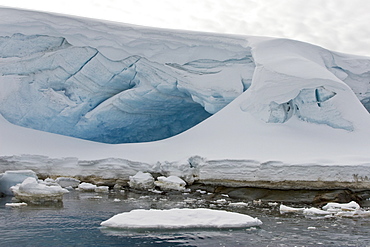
(244,101)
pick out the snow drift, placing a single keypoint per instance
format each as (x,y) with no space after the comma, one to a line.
(258,104)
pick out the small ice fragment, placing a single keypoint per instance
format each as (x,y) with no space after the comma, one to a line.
(15,204)
(257,202)
(155,191)
(313,211)
(221,201)
(201,191)
(311,228)
(238,204)
(95,197)
(286,209)
(86,187)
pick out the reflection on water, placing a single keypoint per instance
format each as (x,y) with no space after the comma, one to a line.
(77,223)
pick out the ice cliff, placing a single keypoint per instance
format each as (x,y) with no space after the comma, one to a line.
(154,84)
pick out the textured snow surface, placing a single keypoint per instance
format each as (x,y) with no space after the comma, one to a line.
(179,219)
(234,107)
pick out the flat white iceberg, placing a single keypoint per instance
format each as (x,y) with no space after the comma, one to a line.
(170,183)
(180,218)
(32,191)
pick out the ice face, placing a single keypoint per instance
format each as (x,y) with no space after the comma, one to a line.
(11,178)
(311,105)
(354,72)
(54,86)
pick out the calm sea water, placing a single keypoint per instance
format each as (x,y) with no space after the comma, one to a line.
(77,223)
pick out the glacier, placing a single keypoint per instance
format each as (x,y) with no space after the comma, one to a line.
(78,90)
(101,100)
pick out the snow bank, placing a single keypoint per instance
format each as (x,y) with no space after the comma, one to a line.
(142,181)
(170,183)
(11,178)
(35,192)
(179,219)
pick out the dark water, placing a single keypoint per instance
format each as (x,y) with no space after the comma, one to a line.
(77,223)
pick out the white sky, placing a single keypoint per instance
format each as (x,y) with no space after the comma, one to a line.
(339,25)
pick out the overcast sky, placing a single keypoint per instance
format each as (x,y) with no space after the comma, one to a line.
(339,25)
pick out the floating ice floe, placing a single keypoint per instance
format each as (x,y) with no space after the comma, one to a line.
(351,209)
(179,219)
(142,181)
(35,192)
(170,183)
(11,178)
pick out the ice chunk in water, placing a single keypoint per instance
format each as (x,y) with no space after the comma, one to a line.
(142,180)
(170,183)
(30,190)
